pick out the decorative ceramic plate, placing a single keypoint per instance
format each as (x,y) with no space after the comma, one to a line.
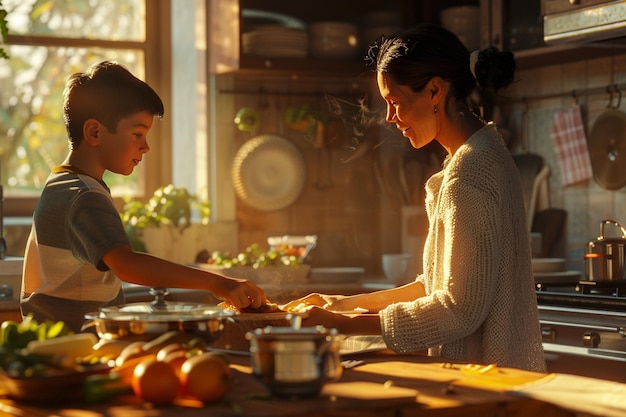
(268,172)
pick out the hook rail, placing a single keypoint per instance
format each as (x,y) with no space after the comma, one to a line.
(575,94)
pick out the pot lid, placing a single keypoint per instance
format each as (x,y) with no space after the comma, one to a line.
(607,149)
(152,312)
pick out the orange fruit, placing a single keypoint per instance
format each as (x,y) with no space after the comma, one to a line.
(127,369)
(175,359)
(155,382)
(206,377)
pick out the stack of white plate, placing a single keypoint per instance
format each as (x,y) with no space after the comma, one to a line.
(275,41)
(334,40)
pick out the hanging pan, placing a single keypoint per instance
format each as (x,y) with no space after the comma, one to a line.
(607,148)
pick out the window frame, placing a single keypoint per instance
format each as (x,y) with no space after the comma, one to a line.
(158,73)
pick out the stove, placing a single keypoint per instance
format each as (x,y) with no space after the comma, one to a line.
(583,324)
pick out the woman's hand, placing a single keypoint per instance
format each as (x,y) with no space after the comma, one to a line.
(343,303)
(314,299)
(319,316)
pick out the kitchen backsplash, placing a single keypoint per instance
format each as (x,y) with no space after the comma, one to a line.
(358,217)
(586,203)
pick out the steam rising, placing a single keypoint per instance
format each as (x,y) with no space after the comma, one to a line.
(358,120)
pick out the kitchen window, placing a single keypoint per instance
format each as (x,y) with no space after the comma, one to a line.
(48,41)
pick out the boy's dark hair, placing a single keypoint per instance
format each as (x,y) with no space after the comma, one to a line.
(107,92)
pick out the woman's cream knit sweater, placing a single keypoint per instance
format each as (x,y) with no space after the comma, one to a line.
(480,304)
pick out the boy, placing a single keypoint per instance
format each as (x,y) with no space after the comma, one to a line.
(78,254)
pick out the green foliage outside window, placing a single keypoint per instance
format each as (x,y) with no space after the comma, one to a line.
(51,39)
(4,30)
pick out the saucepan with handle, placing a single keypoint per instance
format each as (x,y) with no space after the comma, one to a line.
(605,256)
(293,361)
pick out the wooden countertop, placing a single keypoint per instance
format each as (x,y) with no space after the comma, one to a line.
(386,384)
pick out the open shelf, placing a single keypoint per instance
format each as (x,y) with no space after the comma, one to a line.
(562,54)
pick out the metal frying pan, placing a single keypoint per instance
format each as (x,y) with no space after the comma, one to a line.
(607,149)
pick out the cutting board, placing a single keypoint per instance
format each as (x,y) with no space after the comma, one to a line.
(380,394)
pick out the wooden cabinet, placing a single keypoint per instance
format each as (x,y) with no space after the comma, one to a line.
(505,24)
(11,314)
(227,22)
(501,21)
(558,6)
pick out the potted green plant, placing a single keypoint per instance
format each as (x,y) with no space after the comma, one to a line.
(169,206)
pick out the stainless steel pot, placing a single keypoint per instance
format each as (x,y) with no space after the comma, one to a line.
(145,321)
(293,361)
(605,257)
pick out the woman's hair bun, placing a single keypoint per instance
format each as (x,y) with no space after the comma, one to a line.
(494,69)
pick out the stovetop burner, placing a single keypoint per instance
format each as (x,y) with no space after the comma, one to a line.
(598,295)
(583,326)
(611,288)
(614,288)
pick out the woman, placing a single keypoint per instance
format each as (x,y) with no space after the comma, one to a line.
(475,300)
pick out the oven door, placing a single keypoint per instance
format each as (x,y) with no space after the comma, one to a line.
(584,341)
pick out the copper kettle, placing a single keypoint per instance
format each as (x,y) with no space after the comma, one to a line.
(604,257)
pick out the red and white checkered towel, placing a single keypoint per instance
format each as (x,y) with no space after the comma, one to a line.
(570,144)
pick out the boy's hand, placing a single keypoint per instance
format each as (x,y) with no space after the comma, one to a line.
(241,293)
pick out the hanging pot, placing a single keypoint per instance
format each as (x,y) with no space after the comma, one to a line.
(604,257)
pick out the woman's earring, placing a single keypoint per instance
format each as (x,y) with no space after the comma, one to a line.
(435,109)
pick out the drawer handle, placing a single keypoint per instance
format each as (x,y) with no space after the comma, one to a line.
(6,291)
(591,339)
(548,334)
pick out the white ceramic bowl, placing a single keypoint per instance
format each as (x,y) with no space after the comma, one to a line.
(395,266)
(302,245)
